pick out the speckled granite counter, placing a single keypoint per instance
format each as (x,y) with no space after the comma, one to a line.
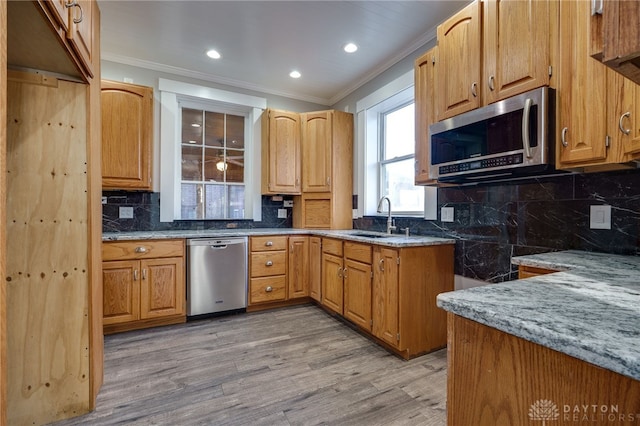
(379,238)
(590,310)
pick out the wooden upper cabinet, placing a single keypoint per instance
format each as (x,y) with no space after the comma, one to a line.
(623,117)
(280,152)
(459,51)
(581,94)
(516,47)
(317,136)
(60,13)
(81,32)
(127,122)
(616,40)
(425,68)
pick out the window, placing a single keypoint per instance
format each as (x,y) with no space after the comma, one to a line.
(209,153)
(396,160)
(212,165)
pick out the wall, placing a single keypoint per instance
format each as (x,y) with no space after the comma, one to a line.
(494,222)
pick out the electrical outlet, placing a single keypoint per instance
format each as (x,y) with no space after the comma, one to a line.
(126,213)
(282,213)
(104,200)
(600,217)
(446,214)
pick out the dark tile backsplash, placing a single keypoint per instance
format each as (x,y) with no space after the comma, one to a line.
(492,222)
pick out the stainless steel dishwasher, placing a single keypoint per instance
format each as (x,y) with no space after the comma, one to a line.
(216,275)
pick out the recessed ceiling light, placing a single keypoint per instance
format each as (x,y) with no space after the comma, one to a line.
(295,74)
(213,54)
(350,47)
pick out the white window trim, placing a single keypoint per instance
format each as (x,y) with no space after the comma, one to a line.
(171,94)
(366,159)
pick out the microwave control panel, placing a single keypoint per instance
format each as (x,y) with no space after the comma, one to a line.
(485,163)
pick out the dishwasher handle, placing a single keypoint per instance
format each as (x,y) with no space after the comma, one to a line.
(218,246)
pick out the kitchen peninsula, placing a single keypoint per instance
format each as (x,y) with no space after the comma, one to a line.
(562,341)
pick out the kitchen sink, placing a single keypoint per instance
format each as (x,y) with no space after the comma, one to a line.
(370,235)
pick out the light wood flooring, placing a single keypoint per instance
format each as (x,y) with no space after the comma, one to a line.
(291,366)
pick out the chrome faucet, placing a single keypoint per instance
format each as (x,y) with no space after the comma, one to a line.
(390,225)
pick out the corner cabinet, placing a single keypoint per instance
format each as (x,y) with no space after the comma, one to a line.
(597,128)
(143,284)
(327,171)
(127,135)
(280,152)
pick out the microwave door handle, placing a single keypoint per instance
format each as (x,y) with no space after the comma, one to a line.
(525,127)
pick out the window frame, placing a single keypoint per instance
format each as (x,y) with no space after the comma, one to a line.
(171,140)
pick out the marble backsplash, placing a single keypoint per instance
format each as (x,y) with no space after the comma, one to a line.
(492,222)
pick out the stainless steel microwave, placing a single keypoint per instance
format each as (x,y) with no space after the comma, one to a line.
(505,139)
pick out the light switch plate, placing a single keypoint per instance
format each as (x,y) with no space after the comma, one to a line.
(446,214)
(104,200)
(126,213)
(282,213)
(288,203)
(600,217)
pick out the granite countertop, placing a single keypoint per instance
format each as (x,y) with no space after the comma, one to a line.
(590,310)
(358,235)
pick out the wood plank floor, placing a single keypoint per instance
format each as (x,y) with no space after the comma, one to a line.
(291,366)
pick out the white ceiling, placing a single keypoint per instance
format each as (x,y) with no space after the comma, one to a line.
(262,41)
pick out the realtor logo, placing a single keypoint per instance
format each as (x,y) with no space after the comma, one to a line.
(543,410)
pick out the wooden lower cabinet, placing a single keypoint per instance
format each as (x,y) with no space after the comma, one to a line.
(298,273)
(495,378)
(143,284)
(357,276)
(531,271)
(389,292)
(315,268)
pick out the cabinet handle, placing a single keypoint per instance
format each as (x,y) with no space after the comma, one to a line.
(474,89)
(525,127)
(268,243)
(492,85)
(269,289)
(340,272)
(563,137)
(75,4)
(328,181)
(135,275)
(140,249)
(144,274)
(344,272)
(622,117)
(596,7)
(269,263)
(381,265)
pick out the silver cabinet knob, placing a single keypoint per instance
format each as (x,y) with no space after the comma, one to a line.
(140,249)
(268,243)
(268,263)
(268,289)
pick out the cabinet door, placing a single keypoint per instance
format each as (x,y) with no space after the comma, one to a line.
(317,130)
(623,107)
(332,290)
(425,68)
(385,295)
(281,155)
(459,44)
(121,291)
(357,293)
(581,99)
(315,268)
(81,32)
(516,47)
(162,287)
(60,13)
(127,119)
(298,267)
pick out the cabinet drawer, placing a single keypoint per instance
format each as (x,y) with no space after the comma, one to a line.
(267,289)
(268,243)
(123,250)
(268,263)
(359,252)
(332,246)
